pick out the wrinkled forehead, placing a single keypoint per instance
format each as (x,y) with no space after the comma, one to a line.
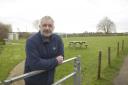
(47,21)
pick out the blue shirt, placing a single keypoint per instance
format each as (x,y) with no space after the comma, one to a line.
(41,55)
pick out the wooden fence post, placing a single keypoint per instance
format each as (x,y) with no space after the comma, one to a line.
(99,65)
(118,49)
(109,56)
(122,45)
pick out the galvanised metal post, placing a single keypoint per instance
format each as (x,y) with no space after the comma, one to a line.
(75,70)
(78,70)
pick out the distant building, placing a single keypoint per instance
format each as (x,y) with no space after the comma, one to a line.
(13,36)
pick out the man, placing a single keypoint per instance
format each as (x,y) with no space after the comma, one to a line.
(44,51)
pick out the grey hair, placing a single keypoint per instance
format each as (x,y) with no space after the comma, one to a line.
(45,18)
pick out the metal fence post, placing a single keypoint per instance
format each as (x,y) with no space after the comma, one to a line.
(75,70)
(79,70)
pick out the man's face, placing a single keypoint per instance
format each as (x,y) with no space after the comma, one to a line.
(47,27)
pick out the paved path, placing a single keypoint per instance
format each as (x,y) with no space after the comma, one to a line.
(18,70)
(122,78)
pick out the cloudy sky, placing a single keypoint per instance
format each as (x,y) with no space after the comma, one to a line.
(71,16)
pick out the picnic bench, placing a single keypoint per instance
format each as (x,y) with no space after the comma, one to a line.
(6,41)
(78,44)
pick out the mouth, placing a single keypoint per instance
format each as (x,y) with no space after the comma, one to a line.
(47,31)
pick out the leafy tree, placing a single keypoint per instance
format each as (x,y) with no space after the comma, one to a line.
(4,30)
(106,26)
(24,34)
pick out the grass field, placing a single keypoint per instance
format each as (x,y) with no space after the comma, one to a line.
(89,59)
(13,54)
(10,55)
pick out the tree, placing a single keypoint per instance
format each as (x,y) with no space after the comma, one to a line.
(24,34)
(106,26)
(36,24)
(4,30)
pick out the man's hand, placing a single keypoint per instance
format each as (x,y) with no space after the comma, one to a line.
(60,59)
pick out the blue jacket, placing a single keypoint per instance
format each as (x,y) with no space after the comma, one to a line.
(41,55)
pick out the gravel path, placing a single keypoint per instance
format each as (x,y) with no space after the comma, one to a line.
(122,78)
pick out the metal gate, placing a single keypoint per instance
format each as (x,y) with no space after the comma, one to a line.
(76,74)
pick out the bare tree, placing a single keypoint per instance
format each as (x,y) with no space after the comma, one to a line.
(106,26)
(36,24)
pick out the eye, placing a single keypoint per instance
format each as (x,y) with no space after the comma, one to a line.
(49,25)
(44,25)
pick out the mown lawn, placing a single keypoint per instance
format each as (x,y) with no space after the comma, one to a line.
(13,54)
(89,59)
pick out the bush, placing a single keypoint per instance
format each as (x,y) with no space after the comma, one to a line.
(2,42)
(4,30)
(24,34)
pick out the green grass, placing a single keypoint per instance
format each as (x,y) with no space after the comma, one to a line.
(89,59)
(13,54)
(10,55)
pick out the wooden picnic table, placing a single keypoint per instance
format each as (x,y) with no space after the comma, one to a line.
(78,44)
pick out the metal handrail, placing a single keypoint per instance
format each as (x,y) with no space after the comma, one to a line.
(70,59)
(63,79)
(29,74)
(23,76)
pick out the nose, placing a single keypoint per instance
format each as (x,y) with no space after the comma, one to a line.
(47,27)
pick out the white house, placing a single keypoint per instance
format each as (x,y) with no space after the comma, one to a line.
(13,36)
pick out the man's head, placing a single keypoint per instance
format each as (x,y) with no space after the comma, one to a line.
(46,26)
